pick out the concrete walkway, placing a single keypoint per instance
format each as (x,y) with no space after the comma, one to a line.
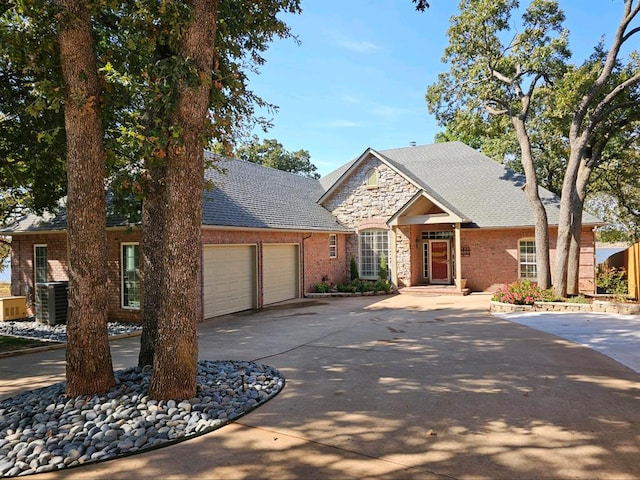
(395,387)
(615,335)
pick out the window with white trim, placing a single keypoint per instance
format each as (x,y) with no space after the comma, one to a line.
(374,244)
(371,180)
(333,245)
(40,264)
(527,259)
(130,274)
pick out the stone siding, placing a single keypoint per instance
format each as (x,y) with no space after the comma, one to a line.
(359,207)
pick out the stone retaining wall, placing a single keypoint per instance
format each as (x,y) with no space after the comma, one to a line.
(596,306)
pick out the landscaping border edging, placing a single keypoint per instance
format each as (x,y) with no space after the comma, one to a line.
(599,306)
(346,294)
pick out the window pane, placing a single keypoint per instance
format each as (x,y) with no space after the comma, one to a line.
(527,258)
(372,178)
(373,245)
(40,264)
(333,246)
(130,276)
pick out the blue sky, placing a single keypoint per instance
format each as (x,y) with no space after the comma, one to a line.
(359,77)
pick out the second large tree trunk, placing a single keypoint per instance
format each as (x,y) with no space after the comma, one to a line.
(152,262)
(89,367)
(539,213)
(573,267)
(176,353)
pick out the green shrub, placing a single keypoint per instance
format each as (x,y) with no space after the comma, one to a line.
(612,280)
(578,299)
(384,271)
(353,269)
(346,288)
(361,286)
(523,292)
(382,285)
(322,288)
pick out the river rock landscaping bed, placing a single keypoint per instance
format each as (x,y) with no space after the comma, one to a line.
(58,333)
(42,430)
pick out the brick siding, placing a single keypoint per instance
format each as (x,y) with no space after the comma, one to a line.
(315,267)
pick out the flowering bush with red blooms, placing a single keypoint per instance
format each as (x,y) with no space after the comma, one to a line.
(524,292)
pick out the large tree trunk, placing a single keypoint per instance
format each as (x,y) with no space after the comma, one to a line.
(573,268)
(568,197)
(152,262)
(89,367)
(539,213)
(176,354)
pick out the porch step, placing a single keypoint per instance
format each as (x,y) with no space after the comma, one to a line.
(434,290)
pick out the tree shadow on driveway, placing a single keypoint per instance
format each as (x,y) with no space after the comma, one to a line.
(428,388)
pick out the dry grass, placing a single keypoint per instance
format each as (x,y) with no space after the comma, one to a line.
(5,289)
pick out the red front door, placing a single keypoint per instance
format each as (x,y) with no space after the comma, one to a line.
(439,255)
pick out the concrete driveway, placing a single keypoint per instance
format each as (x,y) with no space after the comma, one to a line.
(615,335)
(396,387)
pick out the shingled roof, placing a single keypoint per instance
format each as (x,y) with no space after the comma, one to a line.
(244,195)
(252,196)
(466,182)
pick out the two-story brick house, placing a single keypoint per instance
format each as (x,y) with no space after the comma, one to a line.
(438,214)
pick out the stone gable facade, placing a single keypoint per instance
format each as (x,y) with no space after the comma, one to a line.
(361,207)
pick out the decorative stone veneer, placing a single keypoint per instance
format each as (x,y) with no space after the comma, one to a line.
(359,207)
(403,255)
(596,306)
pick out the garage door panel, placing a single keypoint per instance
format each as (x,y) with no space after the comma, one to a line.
(229,279)
(280,273)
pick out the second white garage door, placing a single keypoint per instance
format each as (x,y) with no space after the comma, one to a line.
(229,279)
(280,273)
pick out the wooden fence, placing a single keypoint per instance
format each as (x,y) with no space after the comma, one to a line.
(628,259)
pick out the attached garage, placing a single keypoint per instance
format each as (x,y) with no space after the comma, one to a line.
(281,273)
(229,279)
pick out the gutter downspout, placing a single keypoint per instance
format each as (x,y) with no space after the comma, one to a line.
(302,262)
(458,257)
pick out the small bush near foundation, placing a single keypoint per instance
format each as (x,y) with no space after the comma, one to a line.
(361,286)
(578,299)
(353,269)
(322,288)
(612,280)
(384,271)
(523,292)
(382,285)
(346,288)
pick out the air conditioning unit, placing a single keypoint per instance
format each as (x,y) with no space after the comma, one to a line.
(52,302)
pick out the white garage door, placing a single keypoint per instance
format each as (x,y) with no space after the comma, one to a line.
(229,279)
(280,277)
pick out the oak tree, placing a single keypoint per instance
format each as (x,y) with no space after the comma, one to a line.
(492,76)
(89,367)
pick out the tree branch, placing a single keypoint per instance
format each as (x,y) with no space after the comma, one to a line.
(603,106)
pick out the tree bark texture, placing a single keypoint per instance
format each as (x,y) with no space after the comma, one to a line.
(573,267)
(152,263)
(539,213)
(176,354)
(89,366)
(565,222)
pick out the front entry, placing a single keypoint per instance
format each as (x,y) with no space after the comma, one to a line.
(437,261)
